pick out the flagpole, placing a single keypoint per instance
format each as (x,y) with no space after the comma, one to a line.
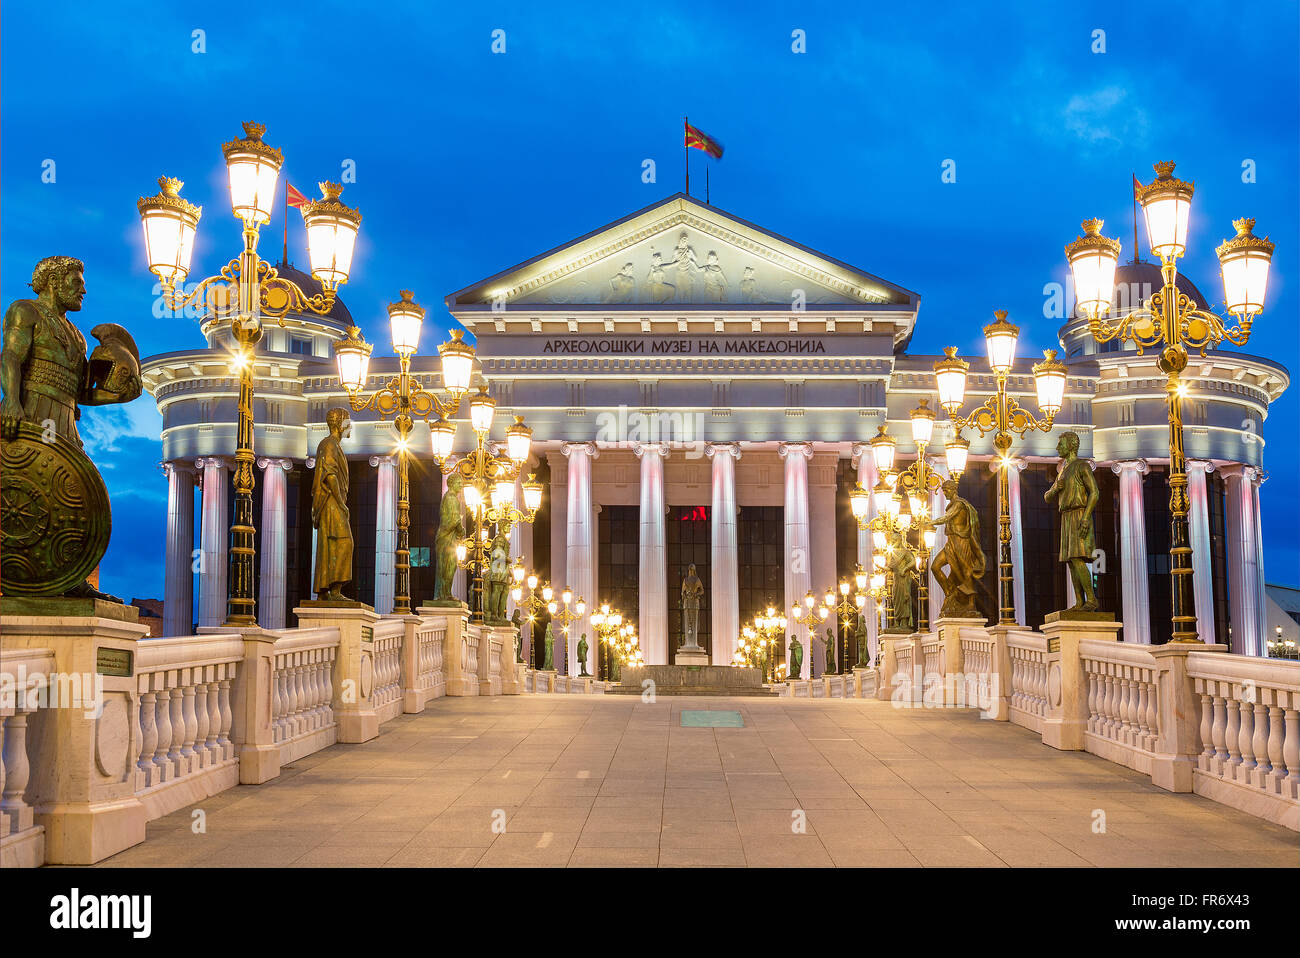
(284,257)
(706,184)
(686,154)
(1135,224)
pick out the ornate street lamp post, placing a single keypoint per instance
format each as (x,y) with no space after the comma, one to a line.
(890,520)
(489,485)
(1003,416)
(403,398)
(245,291)
(533,600)
(560,613)
(1170,319)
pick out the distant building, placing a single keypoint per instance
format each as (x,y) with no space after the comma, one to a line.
(151,614)
(681,366)
(1282,605)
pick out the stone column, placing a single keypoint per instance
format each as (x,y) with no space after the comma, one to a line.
(1245,577)
(798,577)
(385,533)
(1261,602)
(559,544)
(821,516)
(652,567)
(1198,525)
(724,557)
(274,555)
(1133,550)
(1017,536)
(868,477)
(214,541)
(581,541)
(178,595)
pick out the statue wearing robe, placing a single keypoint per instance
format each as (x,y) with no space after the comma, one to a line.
(961,554)
(329,509)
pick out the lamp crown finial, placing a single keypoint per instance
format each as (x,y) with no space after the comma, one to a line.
(171,187)
(1093,227)
(1000,315)
(1242,226)
(330,191)
(1164,170)
(407,295)
(253,131)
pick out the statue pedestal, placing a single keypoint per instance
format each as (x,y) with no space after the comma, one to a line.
(1067,683)
(83,762)
(354,670)
(691,656)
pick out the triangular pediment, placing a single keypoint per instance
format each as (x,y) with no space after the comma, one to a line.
(681,254)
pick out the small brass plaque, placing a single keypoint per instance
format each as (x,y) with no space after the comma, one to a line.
(1054,644)
(116,662)
(367,634)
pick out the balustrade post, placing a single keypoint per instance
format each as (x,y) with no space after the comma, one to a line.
(253,729)
(1178,743)
(354,669)
(1068,707)
(412,696)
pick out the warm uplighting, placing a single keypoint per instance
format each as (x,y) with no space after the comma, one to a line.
(1244,262)
(519,440)
(1166,204)
(352,353)
(169,226)
(254,169)
(882,449)
(1049,381)
(1093,259)
(405,318)
(482,407)
(443,435)
(956,451)
(1000,338)
(950,375)
(331,235)
(457,364)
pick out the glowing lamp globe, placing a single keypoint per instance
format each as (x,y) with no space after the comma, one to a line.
(922,423)
(950,378)
(457,360)
(1000,338)
(1244,262)
(1166,206)
(519,440)
(882,448)
(1093,258)
(956,451)
(254,169)
(547,593)
(405,318)
(443,435)
(352,353)
(169,226)
(566,596)
(331,235)
(883,494)
(859,501)
(482,407)
(532,494)
(1049,383)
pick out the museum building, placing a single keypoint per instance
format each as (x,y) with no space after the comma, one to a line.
(702,391)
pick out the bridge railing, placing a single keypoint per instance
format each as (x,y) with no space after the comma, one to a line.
(23,672)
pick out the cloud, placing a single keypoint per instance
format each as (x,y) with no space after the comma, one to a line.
(1103,117)
(103,427)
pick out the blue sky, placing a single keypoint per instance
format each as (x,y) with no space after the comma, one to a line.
(469,161)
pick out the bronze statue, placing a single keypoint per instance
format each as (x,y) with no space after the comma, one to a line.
(692,592)
(582,655)
(860,636)
(796,658)
(451,529)
(902,563)
(1075,491)
(830,652)
(56,518)
(519,635)
(329,509)
(548,661)
(962,554)
(498,579)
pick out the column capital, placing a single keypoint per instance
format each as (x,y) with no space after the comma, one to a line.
(376,461)
(722,449)
(860,449)
(572,448)
(204,461)
(265,463)
(310,462)
(650,448)
(1199,465)
(1241,470)
(1130,465)
(787,449)
(177,467)
(1013,462)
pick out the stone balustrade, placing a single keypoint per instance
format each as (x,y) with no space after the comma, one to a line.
(389,634)
(1122,694)
(302,710)
(24,672)
(184,749)
(1028,685)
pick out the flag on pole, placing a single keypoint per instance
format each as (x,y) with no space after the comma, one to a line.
(292,197)
(1137,188)
(702,141)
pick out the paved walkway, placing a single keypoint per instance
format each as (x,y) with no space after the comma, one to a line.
(591,780)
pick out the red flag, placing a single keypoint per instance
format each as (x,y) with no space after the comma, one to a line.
(702,141)
(1137,188)
(292,197)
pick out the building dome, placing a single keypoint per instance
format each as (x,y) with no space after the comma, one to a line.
(312,287)
(306,333)
(1135,281)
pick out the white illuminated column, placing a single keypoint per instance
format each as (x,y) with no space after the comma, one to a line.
(581,573)
(798,578)
(1244,573)
(385,533)
(1261,603)
(1198,526)
(214,541)
(868,477)
(724,558)
(1017,533)
(178,595)
(274,551)
(652,558)
(1133,551)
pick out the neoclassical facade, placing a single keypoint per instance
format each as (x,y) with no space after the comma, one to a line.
(701,391)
